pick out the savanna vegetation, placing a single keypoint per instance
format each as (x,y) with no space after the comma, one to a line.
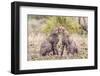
(41,30)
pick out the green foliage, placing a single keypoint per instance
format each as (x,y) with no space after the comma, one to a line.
(69,23)
(61,20)
(72,25)
(49,25)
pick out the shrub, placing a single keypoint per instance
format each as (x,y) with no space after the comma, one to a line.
(69,23)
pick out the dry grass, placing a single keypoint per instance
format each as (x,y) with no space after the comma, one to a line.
(35,40)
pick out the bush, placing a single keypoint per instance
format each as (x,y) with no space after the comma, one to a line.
(69,23)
